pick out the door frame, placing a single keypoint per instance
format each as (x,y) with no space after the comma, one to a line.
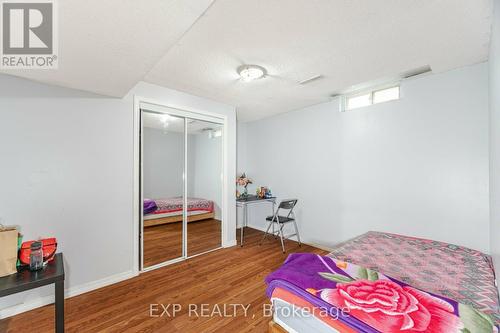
(187,112)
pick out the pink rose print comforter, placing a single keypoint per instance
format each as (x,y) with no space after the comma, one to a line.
(459,273)
(369,301)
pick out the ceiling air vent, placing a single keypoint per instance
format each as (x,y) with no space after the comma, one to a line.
(311,79)
(416,72)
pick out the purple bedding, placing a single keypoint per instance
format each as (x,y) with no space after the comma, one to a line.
(149,206)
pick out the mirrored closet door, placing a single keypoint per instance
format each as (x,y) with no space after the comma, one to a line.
(181,185)
(204,179)
(163,148)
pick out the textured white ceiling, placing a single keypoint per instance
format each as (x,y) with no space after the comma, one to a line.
(108,46)
(196,45)
(348,42)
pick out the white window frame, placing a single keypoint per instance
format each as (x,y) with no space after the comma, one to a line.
(344,98)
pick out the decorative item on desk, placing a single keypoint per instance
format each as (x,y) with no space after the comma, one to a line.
(49,247)
(243,180)
(263,192)
(36,256)
(19,243)
(8,250)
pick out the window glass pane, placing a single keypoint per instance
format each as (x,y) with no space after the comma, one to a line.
(385,95)
(358,101)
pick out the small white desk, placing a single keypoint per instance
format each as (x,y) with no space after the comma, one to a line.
(251,200)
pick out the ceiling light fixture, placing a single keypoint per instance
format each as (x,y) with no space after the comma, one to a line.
(212,133)
(164,118)
(251,72)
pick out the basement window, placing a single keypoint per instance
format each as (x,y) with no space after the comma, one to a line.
(363,99)
(359,101)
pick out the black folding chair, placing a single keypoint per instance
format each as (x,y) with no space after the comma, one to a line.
(282,220)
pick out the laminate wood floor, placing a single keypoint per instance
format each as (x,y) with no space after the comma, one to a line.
(164,242)
(227,276)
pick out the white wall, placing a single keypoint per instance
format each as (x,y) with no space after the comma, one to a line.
(241,161)
(67,170)
(495,136)
(242,154)
(163,163)
(417,166)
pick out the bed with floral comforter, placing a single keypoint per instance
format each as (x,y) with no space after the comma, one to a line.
(383,282)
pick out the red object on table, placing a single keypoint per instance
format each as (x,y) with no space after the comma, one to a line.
(49,247)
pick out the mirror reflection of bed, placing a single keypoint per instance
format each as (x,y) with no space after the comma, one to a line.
(163,233)
(164,152)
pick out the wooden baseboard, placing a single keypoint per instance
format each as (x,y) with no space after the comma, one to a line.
(275,328)
(178,218)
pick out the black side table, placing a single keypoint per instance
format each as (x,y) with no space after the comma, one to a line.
(25,279)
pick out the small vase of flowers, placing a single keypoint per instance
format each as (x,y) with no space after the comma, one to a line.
(243,181)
